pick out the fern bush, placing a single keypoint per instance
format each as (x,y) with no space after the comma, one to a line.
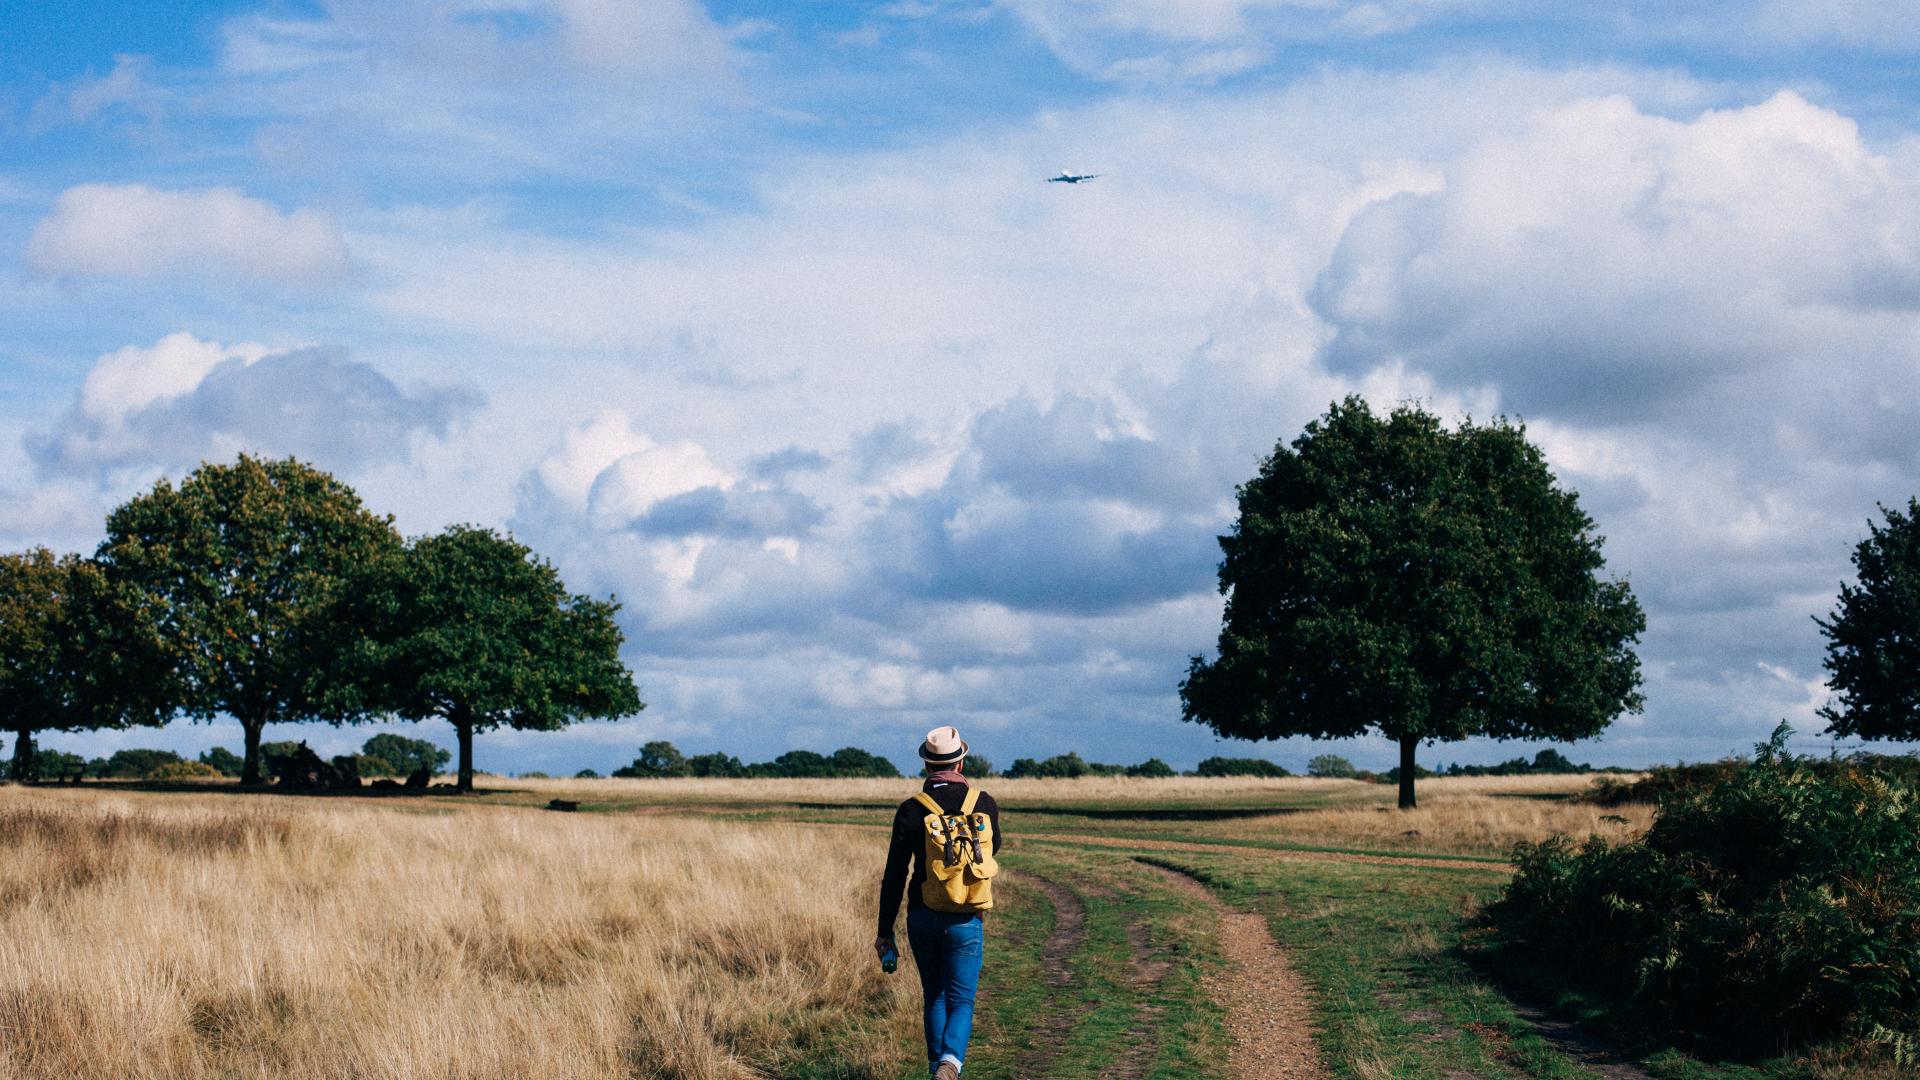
(1783,899)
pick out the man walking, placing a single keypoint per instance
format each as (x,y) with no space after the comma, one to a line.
(947,835)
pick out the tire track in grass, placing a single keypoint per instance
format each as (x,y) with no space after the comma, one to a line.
(1147,970)
(1266,1001)
(1067,939)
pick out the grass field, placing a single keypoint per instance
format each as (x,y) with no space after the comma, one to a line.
(716,929)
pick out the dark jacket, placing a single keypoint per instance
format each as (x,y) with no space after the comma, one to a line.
(908,844)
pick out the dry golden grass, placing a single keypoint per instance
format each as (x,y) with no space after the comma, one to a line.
(1463,815)
(188,936)
(1475,815)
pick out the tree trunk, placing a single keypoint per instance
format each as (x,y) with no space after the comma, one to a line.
(23,756)
(250,770)
(465,728)
(1407,744)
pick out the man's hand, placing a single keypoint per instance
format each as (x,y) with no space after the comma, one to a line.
(881,945)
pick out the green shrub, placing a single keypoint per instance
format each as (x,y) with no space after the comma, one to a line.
(1058,767)
(658,760)
(1392,776)
(1239,766)
(223,760)
(1152,768)
(853,761)
(1331,765)
(52,765)
(717,765)
(137,764)
(662,760)
(271,752)
(184,770)
(387,754)
(1663,782)
(1784,898)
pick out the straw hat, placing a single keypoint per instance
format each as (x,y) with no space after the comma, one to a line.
(943,746)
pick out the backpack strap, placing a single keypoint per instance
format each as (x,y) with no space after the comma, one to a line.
(926,800)
(966,805)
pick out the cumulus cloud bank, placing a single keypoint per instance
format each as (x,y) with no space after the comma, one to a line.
(132,230)
(1606,262)
(786,344)
(185,400)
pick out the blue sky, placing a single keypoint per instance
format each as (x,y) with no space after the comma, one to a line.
(759,316)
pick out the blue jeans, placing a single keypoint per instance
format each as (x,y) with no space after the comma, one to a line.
(948,950)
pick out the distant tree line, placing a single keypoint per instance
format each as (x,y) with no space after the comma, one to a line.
(661,760)
(388,754)
(264,591)
(385,754)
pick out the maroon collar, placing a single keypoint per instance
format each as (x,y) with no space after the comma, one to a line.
(946,776)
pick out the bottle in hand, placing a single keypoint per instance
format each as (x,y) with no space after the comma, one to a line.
(890,960)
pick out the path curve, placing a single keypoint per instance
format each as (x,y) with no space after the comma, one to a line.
(1265,999)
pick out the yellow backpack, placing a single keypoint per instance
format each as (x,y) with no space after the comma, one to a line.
(958,857)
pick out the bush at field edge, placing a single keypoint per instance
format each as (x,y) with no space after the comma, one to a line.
(1784,898)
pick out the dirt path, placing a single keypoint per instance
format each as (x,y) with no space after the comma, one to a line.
(1069,935)
(1266,1001)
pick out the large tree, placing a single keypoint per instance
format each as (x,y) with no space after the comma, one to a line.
(1873,636)
(243,563)
(472,627)
(1389,574)
(74,653)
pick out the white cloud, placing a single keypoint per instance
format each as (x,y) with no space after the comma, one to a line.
(185,400)
(468,88)
(613,473)
(134,377)
(89,97)
(60,515)
(1608,262)
(132,230)
(1204,40)
(639,479)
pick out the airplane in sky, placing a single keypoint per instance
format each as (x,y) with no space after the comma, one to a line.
(1066,177)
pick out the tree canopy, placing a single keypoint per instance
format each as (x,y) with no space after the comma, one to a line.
(658,759)
(1333,766)
(1873,635)
(472,627)
(397,755)
(240,564)
(1387,574)
(74,653)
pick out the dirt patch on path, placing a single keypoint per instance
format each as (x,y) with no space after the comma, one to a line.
(1266,1001)
(1068,937)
